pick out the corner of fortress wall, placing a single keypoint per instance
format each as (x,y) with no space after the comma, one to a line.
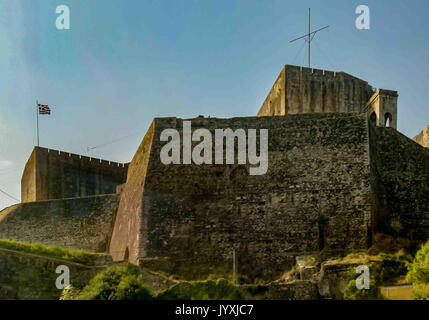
(52,174)
(423,137)
(316,195)
(130,227)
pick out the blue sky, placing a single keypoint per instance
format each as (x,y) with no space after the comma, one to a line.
(123,63)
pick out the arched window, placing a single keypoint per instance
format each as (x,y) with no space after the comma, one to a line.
(373,118)
(127,254)
(387,119)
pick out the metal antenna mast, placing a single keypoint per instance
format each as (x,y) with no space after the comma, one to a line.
(309,37)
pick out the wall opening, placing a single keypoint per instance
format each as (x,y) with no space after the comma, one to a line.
(387,119)
(322,223)
(127,254)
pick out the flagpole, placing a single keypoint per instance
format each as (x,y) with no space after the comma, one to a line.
(37,112)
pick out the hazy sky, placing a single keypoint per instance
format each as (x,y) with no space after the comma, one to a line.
(123,63)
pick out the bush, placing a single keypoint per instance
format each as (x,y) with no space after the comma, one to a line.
(353,293)
(419,268)
(418,273)
(69,293)
(421,292)
(385,268)
(121,283)
(131,289)
(202,290)
(390,266)
(113,283)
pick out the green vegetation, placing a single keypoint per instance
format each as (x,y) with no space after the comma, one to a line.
(384,268)
(418,273)
(352,293)
(73,255)
(122,283)
(202,290)
(113,283)
(390,266)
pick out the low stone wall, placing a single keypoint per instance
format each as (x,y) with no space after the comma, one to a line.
(26,276)
(79,223)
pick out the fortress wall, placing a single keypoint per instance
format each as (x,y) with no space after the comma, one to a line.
(423,137)
(401,170)
(308,90)
(315,195)
(80,223)
(52,174)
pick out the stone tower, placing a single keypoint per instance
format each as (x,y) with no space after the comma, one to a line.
(382,108)
(300,90)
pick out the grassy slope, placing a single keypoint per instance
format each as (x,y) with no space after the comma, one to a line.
(78,256)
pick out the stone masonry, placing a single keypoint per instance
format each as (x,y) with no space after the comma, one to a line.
(315,195)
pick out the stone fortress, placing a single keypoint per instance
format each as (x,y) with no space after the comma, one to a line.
(339,173)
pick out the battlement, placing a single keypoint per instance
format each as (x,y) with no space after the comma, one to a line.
(322,72)
(54,174)
(66,155)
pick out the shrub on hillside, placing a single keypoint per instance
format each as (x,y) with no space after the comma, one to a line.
(69,293)
(353,293)
(385,268)
(202,290)
(113,283)
(390,266)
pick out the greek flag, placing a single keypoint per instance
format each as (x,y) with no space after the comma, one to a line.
(44,109)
